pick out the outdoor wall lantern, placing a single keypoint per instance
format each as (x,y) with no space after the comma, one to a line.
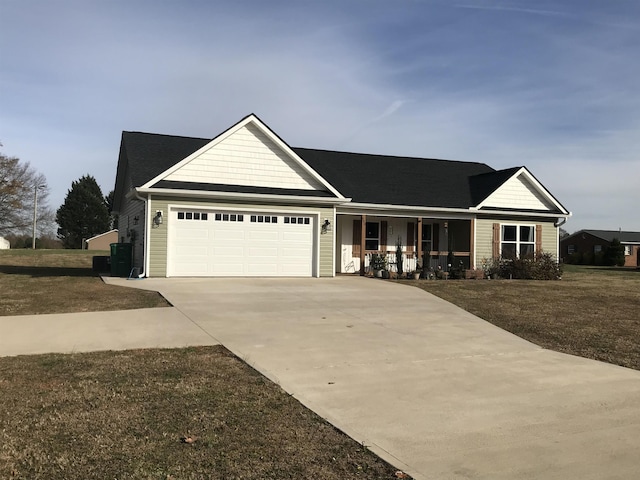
(326,226)
(158,218)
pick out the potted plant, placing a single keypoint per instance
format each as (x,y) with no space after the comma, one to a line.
(378,264)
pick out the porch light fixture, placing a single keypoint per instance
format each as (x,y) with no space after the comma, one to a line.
(326,226)
(158,218)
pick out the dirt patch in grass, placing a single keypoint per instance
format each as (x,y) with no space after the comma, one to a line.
(61,281)
(592,312)
(197,413)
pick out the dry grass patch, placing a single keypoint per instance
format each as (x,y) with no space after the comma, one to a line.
(592,312)
(61,281)
(197,413)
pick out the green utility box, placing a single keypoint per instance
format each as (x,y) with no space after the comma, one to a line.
(121,259)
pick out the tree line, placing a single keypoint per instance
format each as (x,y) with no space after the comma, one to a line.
(24,202)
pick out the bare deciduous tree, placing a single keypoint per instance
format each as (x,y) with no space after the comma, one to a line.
(19,183)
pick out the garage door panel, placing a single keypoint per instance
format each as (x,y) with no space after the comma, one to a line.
(229,235)
(227,270)
(221,246)
(235,252)
(266,270)
(262,252)
(302,237)
(195,233)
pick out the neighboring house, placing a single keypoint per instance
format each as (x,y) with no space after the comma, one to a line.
(594,242)
(4,244)
(246,204)
(102,241)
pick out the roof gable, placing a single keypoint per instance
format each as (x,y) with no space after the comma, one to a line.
(518,189)
(248,154)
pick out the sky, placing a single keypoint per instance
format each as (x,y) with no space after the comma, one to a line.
(551,85)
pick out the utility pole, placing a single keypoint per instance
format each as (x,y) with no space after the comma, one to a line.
(35,214)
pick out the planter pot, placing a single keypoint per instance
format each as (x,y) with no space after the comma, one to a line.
(378,273)
(385,274)
(416,276)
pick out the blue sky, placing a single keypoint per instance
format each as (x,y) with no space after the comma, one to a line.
(553,85)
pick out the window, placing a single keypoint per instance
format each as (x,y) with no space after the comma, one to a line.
(264,219)
(571,249)
(597,248)
(298,220)
(227,217)
(518,241)
(192,216)
(426,238)
(372,236)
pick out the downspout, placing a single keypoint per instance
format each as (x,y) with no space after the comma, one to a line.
(558,224)
(146,232)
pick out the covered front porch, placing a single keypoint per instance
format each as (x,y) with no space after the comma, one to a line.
(425,242)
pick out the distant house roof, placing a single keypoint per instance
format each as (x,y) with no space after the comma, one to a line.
(609,235)
(101,235)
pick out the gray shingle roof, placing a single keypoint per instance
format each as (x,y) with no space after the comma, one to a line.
(609,235)
(365,178)
(382,179)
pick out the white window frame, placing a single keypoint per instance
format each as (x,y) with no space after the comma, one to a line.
(518,242)
(628,250)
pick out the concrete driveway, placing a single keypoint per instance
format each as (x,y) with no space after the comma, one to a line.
(433,389)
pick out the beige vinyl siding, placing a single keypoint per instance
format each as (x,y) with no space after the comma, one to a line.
(518,193)
(133,208)
(326,243)
(159,235)
(484,235)
(247,157)
(484,239)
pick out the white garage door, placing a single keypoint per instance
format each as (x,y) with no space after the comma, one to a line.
(239,244)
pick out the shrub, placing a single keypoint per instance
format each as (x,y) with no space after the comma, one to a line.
(542,266)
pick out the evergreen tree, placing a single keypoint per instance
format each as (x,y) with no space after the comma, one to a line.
(83,214)
(614,254)
(109,201)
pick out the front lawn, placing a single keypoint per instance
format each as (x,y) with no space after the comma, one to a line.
(61,281)
(592,312)
(194,413)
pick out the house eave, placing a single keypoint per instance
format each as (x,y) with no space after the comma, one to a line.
(354,208)
(247,197)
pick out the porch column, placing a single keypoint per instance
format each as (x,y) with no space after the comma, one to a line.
(472,245)
(419,246)
(363,232)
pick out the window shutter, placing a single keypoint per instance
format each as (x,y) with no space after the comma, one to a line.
(538,238)
(383,236)
(411,237)
(357,237)
(435,237)
(496,240)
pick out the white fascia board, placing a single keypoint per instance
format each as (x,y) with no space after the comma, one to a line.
(227,133)
(434,212)
(539,187)
(102,234)
(247,197)
(402,210)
